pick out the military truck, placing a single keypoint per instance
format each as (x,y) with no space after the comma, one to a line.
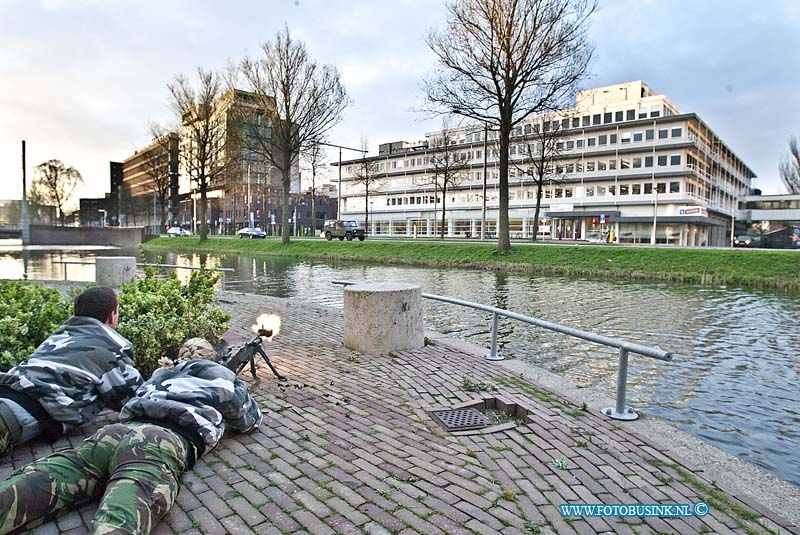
(344,230)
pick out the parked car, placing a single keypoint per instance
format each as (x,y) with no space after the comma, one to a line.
(348,230)
(252,232)
(174,232)
(743,241)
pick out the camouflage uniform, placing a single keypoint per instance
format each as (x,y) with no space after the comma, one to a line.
(77,371)
(176,416)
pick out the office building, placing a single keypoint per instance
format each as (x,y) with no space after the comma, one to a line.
(628,167)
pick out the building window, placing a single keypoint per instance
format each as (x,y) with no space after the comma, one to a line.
(675,159)
(601,191)
(612,139)
(579,144)
(618,116)
(596,119)
(624,163)
(662,160)
(612,164)
(567,192)
(637,163)
(624,189)
(570,168)
(626,137)
(607,117)
(677,132)
(590,191)
(630,115)
(642,113)
(636,189)
(661,187)
(674,187)
(662,133)
(655,111)
(590,166)
(564,124)
(648,188)
(585,120)
(637,136)
(576,122)
(579,167)
(591,142)
(612,190)
(648,161)
(570,145)
(602,140)
(559,193)
(649,134)
(601,165)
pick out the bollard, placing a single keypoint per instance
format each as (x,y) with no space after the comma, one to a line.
(114,270)
(380,317)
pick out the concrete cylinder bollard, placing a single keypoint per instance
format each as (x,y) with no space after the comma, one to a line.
(383,316)
(114,270)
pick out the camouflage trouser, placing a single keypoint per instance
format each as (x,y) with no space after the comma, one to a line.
(5,439)
(136,464)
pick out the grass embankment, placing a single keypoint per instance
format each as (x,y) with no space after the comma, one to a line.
(754,269)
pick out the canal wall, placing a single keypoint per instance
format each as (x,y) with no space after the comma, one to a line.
(115,236)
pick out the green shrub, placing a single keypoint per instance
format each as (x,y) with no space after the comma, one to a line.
(158,314)
(29,313)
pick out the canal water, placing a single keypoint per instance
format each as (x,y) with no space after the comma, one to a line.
(734,384)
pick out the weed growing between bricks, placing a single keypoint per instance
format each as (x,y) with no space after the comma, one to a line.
(719,500)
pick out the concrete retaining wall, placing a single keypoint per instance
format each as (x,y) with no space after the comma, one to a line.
(117,236)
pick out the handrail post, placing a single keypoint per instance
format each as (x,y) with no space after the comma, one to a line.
(492,355)
(65,271)
(620,412)
(223,281)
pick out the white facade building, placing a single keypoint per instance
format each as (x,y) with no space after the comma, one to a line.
(626,156)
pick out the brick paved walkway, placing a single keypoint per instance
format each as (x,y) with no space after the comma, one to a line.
(348,447)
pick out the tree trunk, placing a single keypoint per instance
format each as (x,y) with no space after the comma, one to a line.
(444,210)
(286,180)
(313,204)
(538,207)
(203,207)
(366,211)
(503,242)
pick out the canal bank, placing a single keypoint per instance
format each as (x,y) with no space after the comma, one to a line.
(709,267)
(348,446)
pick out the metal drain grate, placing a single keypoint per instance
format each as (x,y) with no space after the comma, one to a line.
(461,419)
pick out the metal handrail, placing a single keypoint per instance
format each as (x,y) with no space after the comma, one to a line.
(150,264)
(619,411)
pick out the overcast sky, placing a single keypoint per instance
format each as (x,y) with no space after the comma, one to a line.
(81,79)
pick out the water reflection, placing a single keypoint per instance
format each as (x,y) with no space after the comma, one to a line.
(732,385)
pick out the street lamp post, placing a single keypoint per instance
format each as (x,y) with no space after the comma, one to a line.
(340,147)
(104,212)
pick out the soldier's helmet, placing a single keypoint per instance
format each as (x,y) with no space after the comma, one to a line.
(196,348)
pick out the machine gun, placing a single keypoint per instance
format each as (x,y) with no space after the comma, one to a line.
(236,357)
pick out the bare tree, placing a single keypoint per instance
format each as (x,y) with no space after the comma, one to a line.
(539,150)
(55,184)
(303,101)
(790,168)
(156,165)
(503,60)
(446,168)
(209,134)
(315,160)
(366,174)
